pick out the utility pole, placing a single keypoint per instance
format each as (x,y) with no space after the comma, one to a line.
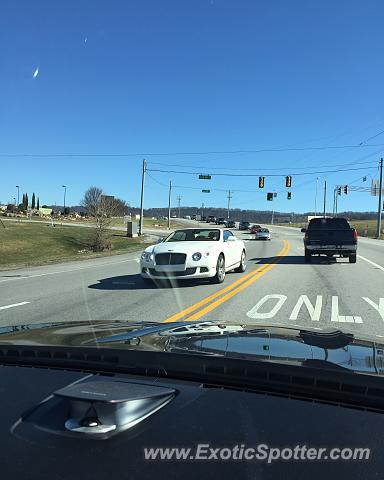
(142,197)
(325,196)
(178,204)
(229,200)
(202,209)
(169,205)
(317,183)
(18,195)
(65,194)
(378,233)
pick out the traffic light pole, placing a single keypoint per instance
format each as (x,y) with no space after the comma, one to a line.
(336,203)
(335,198)
(142,197)
(378,232)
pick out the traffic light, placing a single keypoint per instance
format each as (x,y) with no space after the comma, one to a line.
(261,182)
(339,191)
(288,181)
(346,189)
(289,195)
(270,196)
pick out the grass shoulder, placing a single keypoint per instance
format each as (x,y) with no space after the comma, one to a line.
(27,244)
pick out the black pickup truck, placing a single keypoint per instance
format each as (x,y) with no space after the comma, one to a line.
(330,236)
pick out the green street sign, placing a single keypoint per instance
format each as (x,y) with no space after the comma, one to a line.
(205,177)
(206,191)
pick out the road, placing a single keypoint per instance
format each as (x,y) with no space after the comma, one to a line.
(277,288)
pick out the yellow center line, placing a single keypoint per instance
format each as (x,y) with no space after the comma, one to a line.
(217,294)
(237,290)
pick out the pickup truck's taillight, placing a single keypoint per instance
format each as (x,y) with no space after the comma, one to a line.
(355,234)
(306,236)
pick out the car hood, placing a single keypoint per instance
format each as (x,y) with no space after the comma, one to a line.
(326,349)
(192,247)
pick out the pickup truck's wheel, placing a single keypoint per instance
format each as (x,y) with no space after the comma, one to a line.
(243,265)
(307,256)
(220,270)
(352,258)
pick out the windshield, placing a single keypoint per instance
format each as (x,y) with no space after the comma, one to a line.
(198,161)
(332,223)
(194,235)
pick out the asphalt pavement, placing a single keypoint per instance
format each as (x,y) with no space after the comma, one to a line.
(278,287)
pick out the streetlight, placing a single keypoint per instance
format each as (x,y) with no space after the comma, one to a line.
(65,193)
(18,195)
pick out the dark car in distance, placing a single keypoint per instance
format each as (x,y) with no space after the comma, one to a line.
(231,224)
(244,225)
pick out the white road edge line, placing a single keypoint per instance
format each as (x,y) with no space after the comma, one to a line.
(14,305)
(372,263)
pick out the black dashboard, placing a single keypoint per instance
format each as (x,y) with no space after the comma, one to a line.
(36,444)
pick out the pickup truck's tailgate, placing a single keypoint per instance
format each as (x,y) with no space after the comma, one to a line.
(330,237)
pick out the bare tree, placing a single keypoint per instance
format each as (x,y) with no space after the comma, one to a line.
(102,208)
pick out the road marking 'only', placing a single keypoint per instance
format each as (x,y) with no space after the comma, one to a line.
(306,306)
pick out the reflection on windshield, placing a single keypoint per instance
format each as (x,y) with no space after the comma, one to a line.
(194,235)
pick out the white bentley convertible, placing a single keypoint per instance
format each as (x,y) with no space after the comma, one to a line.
(194,253)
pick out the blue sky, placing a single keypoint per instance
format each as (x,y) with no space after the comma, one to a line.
(127,77)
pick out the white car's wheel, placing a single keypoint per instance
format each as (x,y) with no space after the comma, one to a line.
(243,263)
(220,270)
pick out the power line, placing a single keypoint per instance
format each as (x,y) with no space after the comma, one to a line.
(371,138)
(257,169)
(155,180)
(297,174)
(212,152)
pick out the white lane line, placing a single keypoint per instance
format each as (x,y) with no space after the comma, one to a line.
(14,305)
(24,277)
(372,263)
